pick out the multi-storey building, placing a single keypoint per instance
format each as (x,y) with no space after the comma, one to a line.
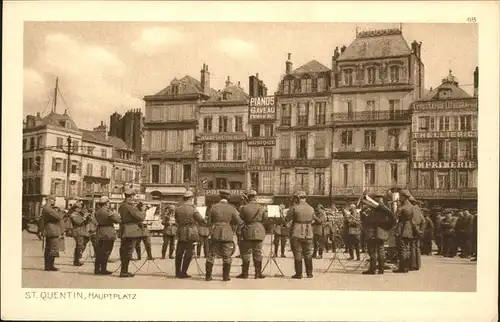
(374,80)
(169,133)
(45,160)
(222,124)
(444,144)
(261,140)
(303,133)
(81,172)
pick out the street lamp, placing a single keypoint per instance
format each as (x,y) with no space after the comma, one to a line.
(197,145)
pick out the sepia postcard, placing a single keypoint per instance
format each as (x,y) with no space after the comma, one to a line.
(269,161)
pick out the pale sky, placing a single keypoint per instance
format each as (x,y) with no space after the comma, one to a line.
(105,67)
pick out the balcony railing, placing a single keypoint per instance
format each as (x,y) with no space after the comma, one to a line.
(372,116)
(260,161)
(458,193)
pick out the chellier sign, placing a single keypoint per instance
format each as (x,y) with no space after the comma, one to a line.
(313,163)
(215,192)
(444,105)
(261,142)
(260,168)
(444,165)
(436,135)
(262,108)
(223,137)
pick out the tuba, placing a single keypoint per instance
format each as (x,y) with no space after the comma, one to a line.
(367,201)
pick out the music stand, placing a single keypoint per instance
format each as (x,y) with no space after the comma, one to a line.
(89,254)
(147,266)
(195,257)
(272,257)
(336,258)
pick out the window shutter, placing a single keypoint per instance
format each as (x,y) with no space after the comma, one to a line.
(63,187)
(414,125)
(64,165)
(53,164)
(230,124)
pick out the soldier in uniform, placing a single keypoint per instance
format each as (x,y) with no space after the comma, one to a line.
(130,231)
(52,220)
(80,222)
(281,232)
(302,216)
(426,246)
(253,215)
(169,232)
(237,229)
(461,234)
(468,220)
(438,233)
(353,221)
(105,236)
(187,218)
(145,238)
(318,232)
(404,233)
(92,233)
(418,228)
(376,224)
(220,217)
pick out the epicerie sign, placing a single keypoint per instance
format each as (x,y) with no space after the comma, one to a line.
(262,108)
(452,134)
(444,165)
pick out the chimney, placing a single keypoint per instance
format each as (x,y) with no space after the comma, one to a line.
(239,84)
(288,64)
(103,129)
(205,79)
(419,49)
(38,114)
(476,81)
(342,49)
(228,82)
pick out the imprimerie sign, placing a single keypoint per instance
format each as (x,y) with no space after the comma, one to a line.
(262,108)
(444,165)
(445,105)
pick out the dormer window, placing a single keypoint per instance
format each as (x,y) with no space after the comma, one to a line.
(306,85)
(347,76)
(287,86)
(394,74)
(175,89)
(444,94)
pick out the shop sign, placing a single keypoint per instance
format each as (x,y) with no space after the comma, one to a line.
(261,142)
(435,193)
(223,137)
(441,135)
(444,165)
(222,165)
(260,168)
(215,192)
(445,105)
(262,108)
(312,163)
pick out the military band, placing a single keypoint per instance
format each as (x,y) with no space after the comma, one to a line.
(375,216)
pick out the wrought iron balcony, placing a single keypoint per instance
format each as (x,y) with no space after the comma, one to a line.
(458,193)
(367,116)
(350,190)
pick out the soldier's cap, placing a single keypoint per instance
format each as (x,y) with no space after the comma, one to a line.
(104,199)
(406,193)
(251,193)
(301,194)
(171,207)
(224,193)
(320,206)
(51,197)
(188,194)
(128,191)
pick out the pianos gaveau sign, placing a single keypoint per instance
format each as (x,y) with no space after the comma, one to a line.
(262,108)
